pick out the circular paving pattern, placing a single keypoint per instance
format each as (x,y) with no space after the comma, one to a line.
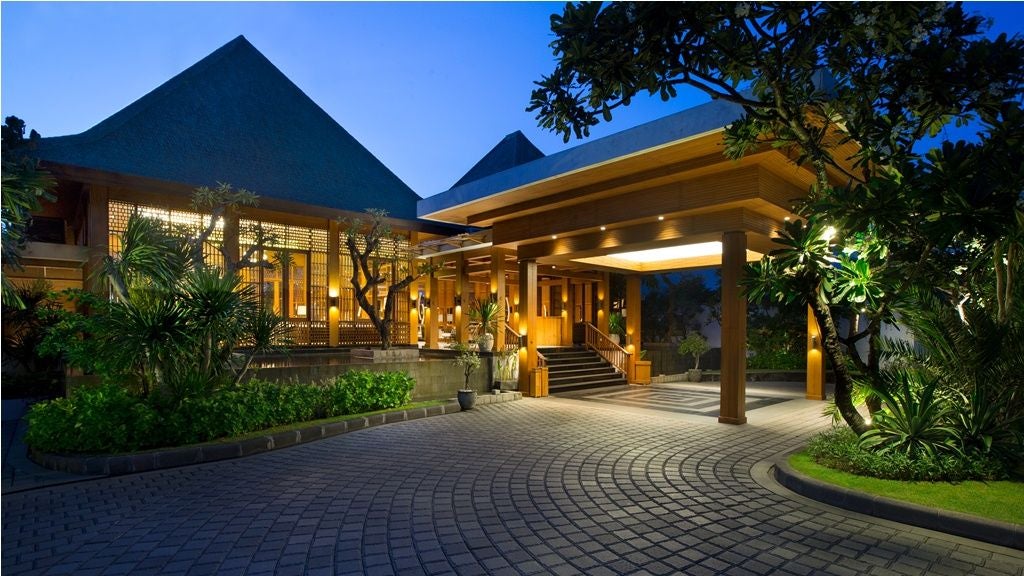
(531,487)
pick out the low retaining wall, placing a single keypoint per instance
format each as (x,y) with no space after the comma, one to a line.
(436,378)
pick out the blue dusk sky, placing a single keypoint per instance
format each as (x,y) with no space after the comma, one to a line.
(428,88)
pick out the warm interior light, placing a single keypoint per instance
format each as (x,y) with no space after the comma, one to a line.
(660,218)
(786,218)
(672,252)
(603,228)
(554,236)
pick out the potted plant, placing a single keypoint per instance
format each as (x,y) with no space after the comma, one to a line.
(469,361)
(693,345)
(488,314)
(616,327)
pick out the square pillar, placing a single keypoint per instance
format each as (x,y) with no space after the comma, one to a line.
(333,283)
(588,302)
(527,322)
(604,302)
(498,295)
(567,312)
(734,330)
(463,291)
(633,336)
(430,322)
(98,235)
(815,359)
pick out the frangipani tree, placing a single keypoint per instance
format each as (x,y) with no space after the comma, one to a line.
(373,249)
(811,77)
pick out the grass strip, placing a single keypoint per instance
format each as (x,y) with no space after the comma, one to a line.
(1002,500)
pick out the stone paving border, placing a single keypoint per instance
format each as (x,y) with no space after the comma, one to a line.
(982,529)
(173,457)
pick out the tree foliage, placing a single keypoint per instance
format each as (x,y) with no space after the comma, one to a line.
(811,78)
(175,320)
(24,185)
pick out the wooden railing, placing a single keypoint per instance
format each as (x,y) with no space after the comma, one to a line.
(511,338)
(600,342)
(541,360)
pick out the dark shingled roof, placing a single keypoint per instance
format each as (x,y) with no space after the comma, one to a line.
(513,150)
(234,117)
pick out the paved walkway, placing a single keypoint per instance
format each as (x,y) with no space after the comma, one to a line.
(549,486)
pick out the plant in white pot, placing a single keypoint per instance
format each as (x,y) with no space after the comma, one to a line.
(469,361)
(694,345)
(616,327)
(489,314)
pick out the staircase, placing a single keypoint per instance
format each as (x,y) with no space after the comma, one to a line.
(578,368)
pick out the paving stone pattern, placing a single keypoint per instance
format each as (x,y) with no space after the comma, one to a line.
(531,487)
(682,401)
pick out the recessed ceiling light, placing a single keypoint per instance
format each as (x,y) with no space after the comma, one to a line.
(603,228)
(786,218)
(554,236)
(672,252)
(661,218)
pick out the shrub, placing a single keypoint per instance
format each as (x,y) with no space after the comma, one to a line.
(110,419)
(841,449)
(102,419)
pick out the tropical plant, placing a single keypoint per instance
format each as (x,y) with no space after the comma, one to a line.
(25,326)
(489,314)
(175,321)
(468,360)
(616,324)
(914,419)
(694,345)
(24,185)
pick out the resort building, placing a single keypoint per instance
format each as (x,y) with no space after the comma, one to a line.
(538,234)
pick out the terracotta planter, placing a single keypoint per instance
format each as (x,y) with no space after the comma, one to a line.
(485,342)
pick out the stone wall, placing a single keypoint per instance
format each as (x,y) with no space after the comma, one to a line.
(436,379)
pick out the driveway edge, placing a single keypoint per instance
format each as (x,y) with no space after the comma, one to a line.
(212,452)
(955,523)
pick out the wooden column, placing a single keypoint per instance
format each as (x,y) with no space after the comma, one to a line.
(633,336)
(588,302)
(98,221)
(734,330)
(498,295)
(815,359)
(463,291)
(568,301)
(527,321)
(414,292)
(604,302)
(430,323)
(333,282)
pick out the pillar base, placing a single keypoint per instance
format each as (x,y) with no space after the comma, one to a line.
(811,396)
(730,420)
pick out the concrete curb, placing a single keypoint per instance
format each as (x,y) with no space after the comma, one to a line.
(213,452)
(984,530)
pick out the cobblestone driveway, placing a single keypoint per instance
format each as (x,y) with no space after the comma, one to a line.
(532,487)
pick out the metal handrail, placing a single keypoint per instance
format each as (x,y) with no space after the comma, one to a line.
(601,343)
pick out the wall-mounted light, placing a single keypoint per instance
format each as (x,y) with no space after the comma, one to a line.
(522,340)
(425,302)
(814,340)
(458,299)
(333,300)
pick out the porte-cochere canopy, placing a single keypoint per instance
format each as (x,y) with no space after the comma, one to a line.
(658,197)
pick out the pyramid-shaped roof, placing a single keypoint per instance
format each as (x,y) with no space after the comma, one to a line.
(513,150)
(234,117)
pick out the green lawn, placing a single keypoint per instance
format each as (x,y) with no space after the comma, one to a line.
(1003,500)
